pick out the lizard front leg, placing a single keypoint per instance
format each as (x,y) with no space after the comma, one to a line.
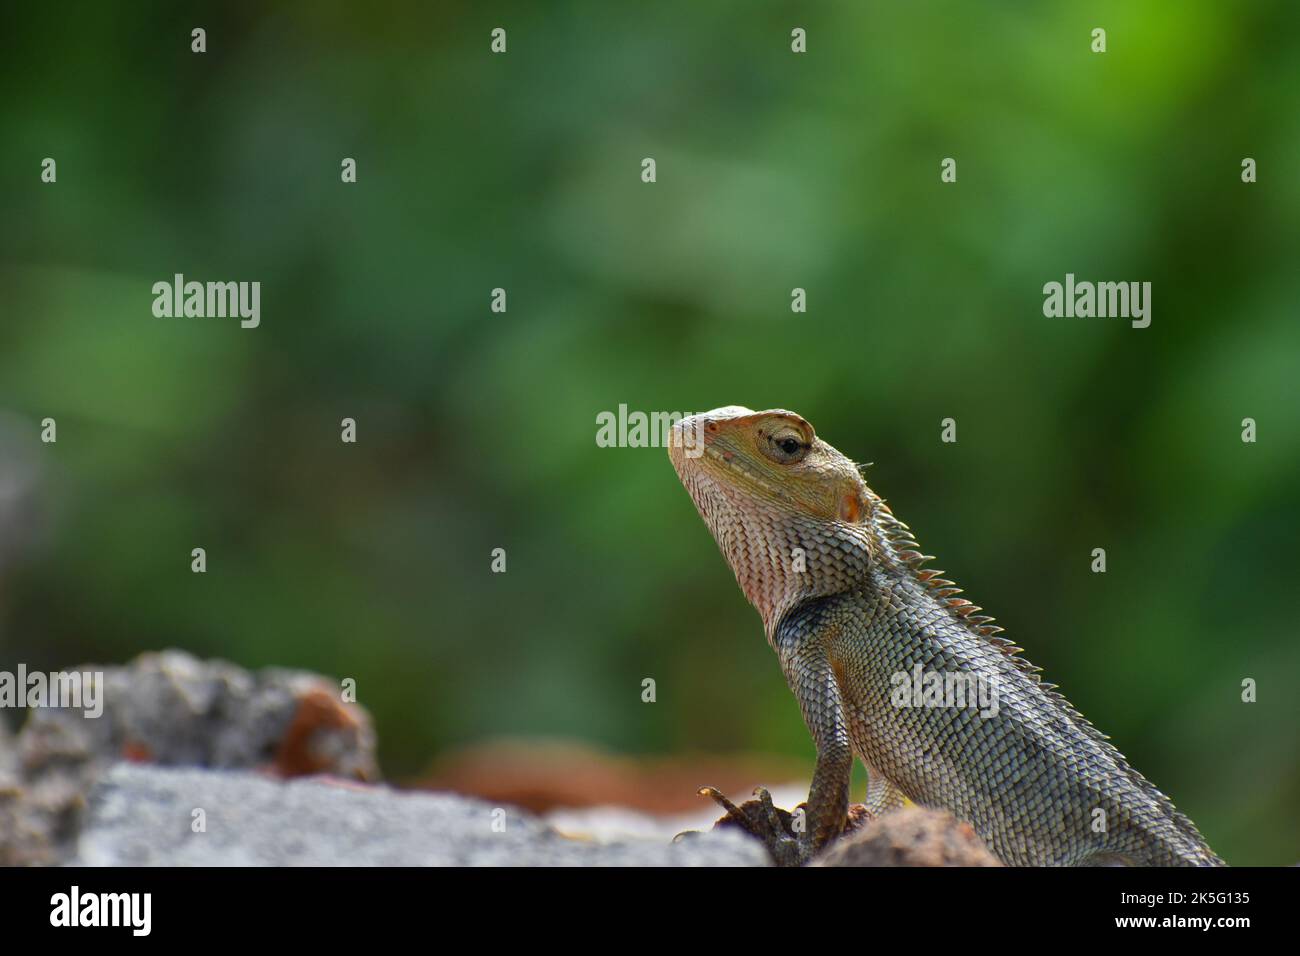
(793,839)
(813,679)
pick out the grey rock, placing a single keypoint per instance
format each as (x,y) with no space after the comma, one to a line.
(142,815)
(170,708)
(910,836)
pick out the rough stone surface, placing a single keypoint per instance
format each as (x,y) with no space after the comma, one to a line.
(912,836)
(39,810)
(171,708)
(143,816)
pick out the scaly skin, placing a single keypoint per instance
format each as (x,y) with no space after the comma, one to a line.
(852,615)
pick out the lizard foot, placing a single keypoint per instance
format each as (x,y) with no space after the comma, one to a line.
(770,825)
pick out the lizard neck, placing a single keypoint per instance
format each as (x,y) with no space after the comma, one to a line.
(781,559)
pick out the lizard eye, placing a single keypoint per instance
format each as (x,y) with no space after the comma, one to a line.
(785,446)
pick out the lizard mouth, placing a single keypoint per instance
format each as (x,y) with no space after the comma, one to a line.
(689,440)
(701,467)
(726,460)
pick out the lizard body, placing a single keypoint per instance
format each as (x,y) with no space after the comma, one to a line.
(856,622)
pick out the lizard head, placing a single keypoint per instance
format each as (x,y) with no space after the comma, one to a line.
(786,508)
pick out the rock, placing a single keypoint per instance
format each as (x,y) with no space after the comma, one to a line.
(174,709)
(143,815)
(912,836)
(171,708)
(37,815)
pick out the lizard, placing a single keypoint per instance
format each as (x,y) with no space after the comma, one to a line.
(855,618)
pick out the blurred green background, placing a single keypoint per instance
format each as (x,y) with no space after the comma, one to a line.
(477,430)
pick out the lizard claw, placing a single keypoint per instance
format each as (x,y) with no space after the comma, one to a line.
(767,823)
(772,817)
(735,816)
(718,797)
